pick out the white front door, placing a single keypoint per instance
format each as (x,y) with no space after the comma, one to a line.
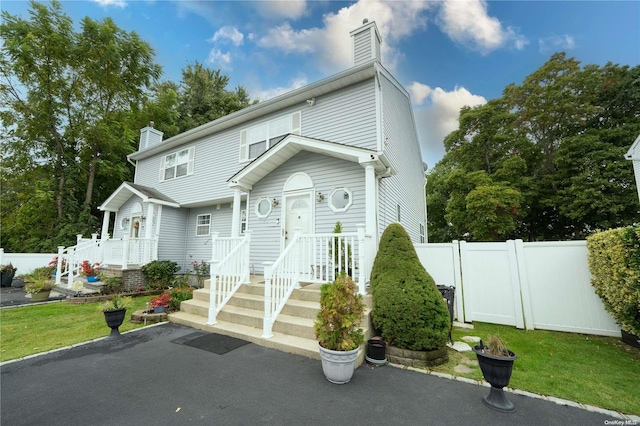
(297,215)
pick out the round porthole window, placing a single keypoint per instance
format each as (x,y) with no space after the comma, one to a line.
(340,199)
(124,222)
(263,208)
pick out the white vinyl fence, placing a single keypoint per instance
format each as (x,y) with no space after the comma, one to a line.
(26,262)
(539,285)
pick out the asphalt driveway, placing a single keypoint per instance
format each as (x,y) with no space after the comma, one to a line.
(149,377)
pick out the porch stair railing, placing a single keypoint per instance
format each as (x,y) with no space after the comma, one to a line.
(138,251)
(313,258)
(228,274)
(70,258)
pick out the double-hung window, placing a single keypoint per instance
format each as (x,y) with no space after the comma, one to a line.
(177,164)
(259,138)
(203,224)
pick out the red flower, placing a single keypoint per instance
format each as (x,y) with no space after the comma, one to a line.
(161,300)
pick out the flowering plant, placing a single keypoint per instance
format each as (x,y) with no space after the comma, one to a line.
(53,265)
(201,270)
(88,269)
(161,300)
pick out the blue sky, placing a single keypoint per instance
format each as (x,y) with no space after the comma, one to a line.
(446,53)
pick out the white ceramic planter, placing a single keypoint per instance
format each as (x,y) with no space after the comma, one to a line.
(338,366)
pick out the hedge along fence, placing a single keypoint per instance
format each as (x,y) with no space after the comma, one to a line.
(614,262)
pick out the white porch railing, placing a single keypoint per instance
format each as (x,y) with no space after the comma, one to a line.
(229,273)
(128,251)
(313,258)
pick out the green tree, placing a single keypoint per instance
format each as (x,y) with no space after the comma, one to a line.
(203,96)
(68,97)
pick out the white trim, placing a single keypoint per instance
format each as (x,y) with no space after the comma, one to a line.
(198,225)
(630,153)
(340,209)
(257,210)
(312,211)
(292,124)
(189,163)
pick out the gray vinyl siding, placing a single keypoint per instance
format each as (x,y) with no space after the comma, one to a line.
(347,116)
(199,246)
(402,148)
(362,47)
(125,211)
(327,173)
(173,236)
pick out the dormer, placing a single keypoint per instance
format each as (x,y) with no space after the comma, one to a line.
(366,43)
(149,137)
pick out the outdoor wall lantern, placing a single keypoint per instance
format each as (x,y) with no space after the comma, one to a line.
(275,203)
(320,197)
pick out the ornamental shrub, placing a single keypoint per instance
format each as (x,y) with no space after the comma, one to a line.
(614,262)
(159,273)
(179,294)
(337,325)
(408,308)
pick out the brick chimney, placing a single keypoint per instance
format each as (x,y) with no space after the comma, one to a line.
(149,137)
(366,43)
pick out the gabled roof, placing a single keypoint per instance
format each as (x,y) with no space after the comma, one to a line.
(634,151)
(298,96)
(292,145)
(127,189)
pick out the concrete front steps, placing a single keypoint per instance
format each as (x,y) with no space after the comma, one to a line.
(243,316)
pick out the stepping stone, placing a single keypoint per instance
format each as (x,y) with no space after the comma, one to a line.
(460,347)
(471,339)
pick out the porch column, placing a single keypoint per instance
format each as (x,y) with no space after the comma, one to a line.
(235,222)
(106,218)
(148,233)
(371,198)
(148,226)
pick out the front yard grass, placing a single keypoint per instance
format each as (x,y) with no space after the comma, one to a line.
(28,330)
(594,370)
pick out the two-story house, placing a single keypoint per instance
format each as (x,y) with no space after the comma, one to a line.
(344,149)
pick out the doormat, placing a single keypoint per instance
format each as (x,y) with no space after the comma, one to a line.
(212,342)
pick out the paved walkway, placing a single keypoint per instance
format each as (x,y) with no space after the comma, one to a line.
(148,378)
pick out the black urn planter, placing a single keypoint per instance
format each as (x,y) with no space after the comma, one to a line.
(497,371)
(114,319)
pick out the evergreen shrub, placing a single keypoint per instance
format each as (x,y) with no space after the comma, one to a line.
(159,273)
(614,262)
(408,309)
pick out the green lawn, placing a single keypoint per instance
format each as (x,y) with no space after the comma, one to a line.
(39,328)
(593,370)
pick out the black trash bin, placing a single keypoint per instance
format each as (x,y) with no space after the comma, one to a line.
(376,352)
(448,293)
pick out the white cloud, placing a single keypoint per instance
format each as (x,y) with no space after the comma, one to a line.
(439,116)
(228,33)
(288,40)
(468,23)
(288,9)
(116,3)
(219,59)
(332,43)
(419,92)
(263,95)
(552,43)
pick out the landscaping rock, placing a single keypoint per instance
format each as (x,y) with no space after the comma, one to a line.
(471,339)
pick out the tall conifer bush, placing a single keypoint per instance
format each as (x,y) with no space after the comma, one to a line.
(407,307)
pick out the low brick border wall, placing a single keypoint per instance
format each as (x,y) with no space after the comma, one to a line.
(417,358)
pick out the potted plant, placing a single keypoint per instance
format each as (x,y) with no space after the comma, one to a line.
(7,272)
(90,271)
(160,303)
(38,284)
(496,363)
(337,328)
(114,311)
(337,251)
(53,265)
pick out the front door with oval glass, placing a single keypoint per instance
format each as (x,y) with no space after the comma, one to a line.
(298,215)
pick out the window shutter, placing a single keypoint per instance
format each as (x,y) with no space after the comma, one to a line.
(243,146)
(295,123)
(162,168)
(192,156)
